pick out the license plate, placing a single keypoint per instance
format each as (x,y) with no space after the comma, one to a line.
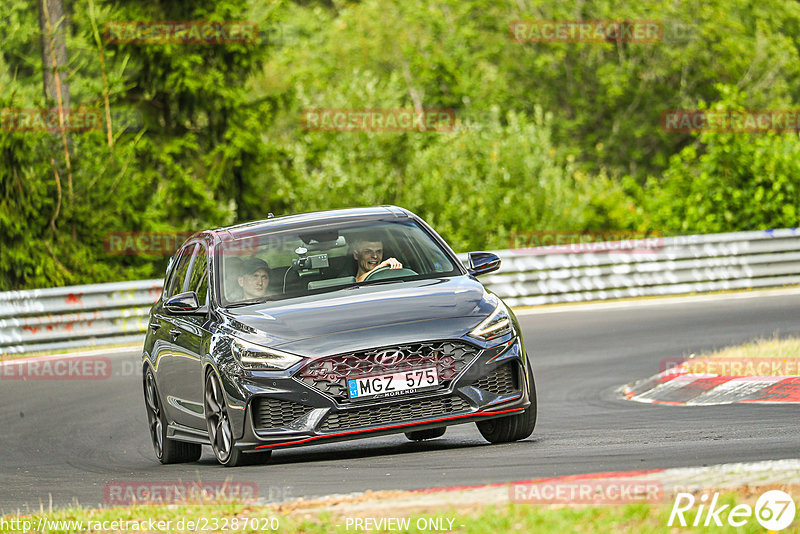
(393,384)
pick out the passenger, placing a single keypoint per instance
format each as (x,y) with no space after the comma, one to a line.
(368,253)
(254,278)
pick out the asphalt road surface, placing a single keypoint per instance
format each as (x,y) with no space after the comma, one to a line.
(64,441)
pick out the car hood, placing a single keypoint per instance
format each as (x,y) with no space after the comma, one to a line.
(368,316)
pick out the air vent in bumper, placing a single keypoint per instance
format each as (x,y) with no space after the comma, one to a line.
(394,413)
(501,381)
(271,413)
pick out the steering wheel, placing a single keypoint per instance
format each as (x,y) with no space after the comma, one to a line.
(386,272)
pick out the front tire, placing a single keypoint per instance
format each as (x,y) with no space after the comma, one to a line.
(168,451)
(220,432)
(512,427)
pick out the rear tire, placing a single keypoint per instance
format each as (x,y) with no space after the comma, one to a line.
(512,427)
(168,451)
(431,433)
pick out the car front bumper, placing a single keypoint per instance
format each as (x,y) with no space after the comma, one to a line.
(289,411)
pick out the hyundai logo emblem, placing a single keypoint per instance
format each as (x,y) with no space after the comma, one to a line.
(388,358)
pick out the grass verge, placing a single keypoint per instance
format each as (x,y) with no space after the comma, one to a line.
(522,518)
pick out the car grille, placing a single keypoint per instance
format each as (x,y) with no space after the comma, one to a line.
(276,413)
(500,381)
(329,375)
(394,413)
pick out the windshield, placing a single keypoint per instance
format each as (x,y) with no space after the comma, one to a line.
(277,265)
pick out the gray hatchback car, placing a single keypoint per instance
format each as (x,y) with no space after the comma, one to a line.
(325,327)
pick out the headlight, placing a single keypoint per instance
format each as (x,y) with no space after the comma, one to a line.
(253,356)
(496,325)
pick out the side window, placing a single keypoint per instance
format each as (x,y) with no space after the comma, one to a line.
(198,281)
(175,284)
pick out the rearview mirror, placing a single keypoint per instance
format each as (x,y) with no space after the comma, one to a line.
(482,263)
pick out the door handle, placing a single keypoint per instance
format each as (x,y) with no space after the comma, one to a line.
(175,333)
(155,326)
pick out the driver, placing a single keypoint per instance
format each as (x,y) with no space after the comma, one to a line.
(254,278)
(368,255)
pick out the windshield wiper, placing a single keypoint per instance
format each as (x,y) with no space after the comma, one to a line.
(249,302)
(374,283)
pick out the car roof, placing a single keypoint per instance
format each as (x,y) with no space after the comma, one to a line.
(305,219)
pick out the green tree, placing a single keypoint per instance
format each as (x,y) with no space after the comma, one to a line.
(729,181)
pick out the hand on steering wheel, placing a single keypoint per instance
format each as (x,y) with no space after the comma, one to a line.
(374,271)
(390,263)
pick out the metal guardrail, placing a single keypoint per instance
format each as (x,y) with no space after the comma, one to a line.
(659,266)
(75,316)
(80,316)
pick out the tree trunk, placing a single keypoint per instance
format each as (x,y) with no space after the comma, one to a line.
(53,26)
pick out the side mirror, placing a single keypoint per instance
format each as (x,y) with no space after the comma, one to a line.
(185,304)
(482,263)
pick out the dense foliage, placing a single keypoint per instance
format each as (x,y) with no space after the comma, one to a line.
(548,136)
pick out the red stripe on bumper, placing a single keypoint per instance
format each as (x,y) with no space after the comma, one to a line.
(312,438)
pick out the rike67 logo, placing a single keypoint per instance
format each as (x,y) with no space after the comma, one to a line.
(774,510)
